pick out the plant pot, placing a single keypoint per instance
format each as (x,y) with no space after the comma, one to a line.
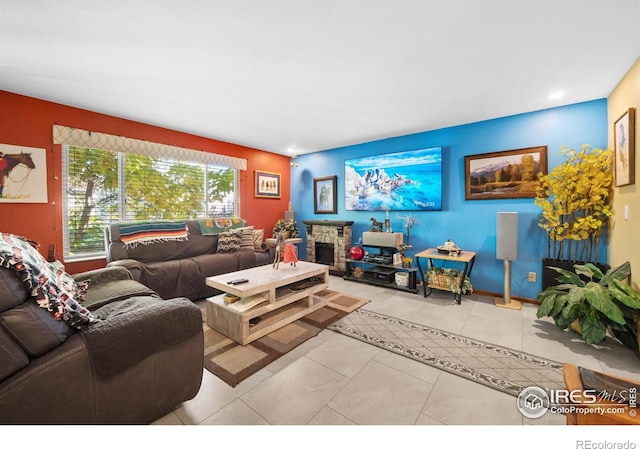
(575,326)
(402,279)
(549,276)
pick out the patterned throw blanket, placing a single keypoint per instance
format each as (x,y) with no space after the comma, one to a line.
(213,226)
(53,289)
(146,232)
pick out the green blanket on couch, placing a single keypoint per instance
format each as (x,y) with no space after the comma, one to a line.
(213,226)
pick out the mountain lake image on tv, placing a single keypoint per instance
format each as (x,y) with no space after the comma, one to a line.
(408,180)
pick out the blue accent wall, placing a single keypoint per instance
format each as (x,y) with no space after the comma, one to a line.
(469,223)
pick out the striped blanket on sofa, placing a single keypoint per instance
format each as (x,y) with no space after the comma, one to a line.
(147,232)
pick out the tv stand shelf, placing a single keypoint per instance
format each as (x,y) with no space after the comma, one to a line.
(381,274)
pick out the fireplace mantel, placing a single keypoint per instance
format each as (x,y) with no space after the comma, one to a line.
(335,223)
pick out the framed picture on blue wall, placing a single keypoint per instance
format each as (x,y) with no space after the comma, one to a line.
(504,174)
(325,195)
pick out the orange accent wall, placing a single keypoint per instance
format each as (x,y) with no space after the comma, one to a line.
(28,122)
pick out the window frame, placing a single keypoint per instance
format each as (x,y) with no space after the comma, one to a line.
(121,155)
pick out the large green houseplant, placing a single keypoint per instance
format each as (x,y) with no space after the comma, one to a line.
(575,198)
(592,302)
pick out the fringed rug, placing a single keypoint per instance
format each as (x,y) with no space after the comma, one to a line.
(495,366)
(233,362)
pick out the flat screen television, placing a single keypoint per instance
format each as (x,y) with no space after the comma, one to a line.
(408,180)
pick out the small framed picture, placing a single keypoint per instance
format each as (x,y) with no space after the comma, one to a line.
(267,184)
(325,195)
(624,138)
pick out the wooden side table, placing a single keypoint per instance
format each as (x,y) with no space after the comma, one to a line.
(467,258)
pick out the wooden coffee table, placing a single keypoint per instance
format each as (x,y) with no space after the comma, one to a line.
(289,293)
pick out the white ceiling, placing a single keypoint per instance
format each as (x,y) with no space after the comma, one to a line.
(304,76)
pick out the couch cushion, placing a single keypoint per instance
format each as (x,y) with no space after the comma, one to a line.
(229,242)
(171,276)
(246,259)
(12,290)
(159,251)
(151,323)
(104,293)
(12,357)
(34,328)
(263,258)
(215,264)
(174,250)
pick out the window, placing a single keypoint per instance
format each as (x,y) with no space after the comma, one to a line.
(105,186)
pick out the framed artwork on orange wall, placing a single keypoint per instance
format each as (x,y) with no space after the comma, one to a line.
(267,184)
(23,174)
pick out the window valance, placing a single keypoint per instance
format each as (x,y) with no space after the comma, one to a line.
(75,136)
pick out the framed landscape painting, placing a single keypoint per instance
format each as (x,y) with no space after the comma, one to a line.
(267,184)
(504,174)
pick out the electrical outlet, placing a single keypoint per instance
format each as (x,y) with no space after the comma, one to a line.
(532,276)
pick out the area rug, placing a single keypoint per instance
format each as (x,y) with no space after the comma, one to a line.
(233,362)
(495,366)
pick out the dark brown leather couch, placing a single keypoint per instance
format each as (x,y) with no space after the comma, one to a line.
(180,268)
(138,363)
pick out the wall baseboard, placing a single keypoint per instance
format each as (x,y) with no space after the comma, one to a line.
(498,295)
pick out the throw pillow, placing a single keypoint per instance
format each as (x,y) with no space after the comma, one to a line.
(229,242)
(246,242)
(258,238)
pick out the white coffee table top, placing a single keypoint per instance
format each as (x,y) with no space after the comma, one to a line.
(266,277)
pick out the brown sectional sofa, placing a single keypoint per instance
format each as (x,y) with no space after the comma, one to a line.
(179,268)
(143,358)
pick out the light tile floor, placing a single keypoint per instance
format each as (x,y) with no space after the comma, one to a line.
(333,379)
